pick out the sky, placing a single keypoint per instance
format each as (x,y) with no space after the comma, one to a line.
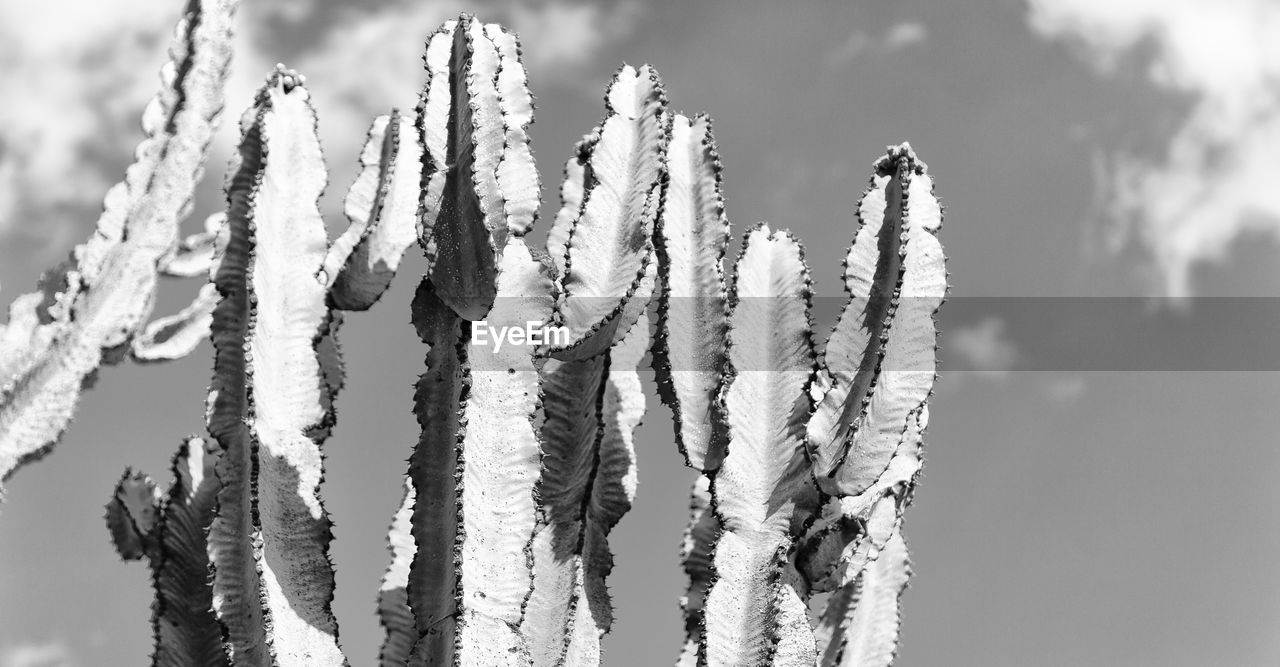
(1098,486)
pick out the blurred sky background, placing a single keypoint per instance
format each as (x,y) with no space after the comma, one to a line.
(1069,514)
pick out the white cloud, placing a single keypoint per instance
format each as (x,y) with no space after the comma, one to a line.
(984,348)
(76,76)
(899,36)
(1217,178)
(48,654)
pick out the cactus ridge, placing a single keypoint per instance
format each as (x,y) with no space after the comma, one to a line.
(691,235)
(382,207)
(764,480)
(436,469)
(169,530)
(516,174)
(611,236)
(271,537)
(696,551)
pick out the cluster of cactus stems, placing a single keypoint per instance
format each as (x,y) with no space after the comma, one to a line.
(526,460)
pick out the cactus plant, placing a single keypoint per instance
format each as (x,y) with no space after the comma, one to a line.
(808,498)
(170,532)
(526,457)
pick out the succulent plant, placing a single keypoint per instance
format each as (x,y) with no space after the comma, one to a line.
(526,459)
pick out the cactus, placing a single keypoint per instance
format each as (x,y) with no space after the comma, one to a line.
(96,302)
(526,457)
(808,499)
(764,482)
(170,533)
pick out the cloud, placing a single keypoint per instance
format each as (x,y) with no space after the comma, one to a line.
(984,348)
(899,36)
(1216,179)
(76,76)
(48,654)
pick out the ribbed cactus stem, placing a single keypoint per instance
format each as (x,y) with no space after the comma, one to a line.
(866,434)
(271,395)
(613,489)
(488,524)
(764,483)
(608,250)
(382,206)
(170,532)
(432,581)
(94,304)
(478,177)
(689,355)
(690,238)
(881,354)
(394,612)
(572,429)
(695,553)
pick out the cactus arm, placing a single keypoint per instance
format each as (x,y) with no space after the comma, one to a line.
(133,515)
(580,424)
(465,232)
(501,471)
(235,579)
(794,641)
(873,273)
(175,336)
(690,238)
(187,633)
(765,475)
(394,612)
(571,191)
(465,263)
(270,539)
(896,371)
(866,634)
(572,397)
(196,254)
(433,126)
(23,340)
(441,391)
(613,489)
(286,380)
(850,531)
(382,206)
(517,175)
(108,293)
(608,251)
(170,532)
(472,543)
(695,553)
